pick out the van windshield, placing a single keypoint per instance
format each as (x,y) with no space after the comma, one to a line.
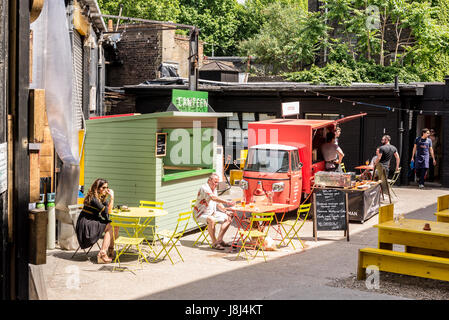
(267,160)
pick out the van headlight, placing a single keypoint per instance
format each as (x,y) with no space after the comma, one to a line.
(278,187)
(244,184)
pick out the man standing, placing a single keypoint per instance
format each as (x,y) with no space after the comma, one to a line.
(423,150)
(332,153)
(209,209)
(385,153)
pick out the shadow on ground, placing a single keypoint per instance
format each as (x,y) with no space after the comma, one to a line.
(260,280)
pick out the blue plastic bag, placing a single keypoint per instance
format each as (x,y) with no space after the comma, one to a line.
(412,164)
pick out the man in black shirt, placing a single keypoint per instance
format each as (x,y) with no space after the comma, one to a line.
(385,153)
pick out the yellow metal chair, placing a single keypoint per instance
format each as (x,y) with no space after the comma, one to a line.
(204,234)
(343,168)
(132,228)
(151,205)
(253,238)
(393,180)
(295,225)
(173,236)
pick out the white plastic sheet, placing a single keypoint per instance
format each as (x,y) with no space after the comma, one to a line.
(52,71)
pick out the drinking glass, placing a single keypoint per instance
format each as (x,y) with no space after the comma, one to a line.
(396,218)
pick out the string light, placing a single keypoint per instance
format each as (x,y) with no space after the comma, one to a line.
(435,112)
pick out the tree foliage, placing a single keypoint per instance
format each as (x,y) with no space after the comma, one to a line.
(346,41)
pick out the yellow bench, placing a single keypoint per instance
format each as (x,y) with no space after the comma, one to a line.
(411,264)
(442,208)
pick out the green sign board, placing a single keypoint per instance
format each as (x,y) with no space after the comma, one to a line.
(190,101)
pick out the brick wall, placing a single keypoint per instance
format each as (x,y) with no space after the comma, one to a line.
(139,55)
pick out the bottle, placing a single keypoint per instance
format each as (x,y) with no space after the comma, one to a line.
(41,203)
(51,225)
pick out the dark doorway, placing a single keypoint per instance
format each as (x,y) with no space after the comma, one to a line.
(373,130)
(433,123)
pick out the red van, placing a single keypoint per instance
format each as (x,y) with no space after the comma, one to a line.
(283,157)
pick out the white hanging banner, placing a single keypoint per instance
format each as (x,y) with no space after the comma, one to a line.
(290,108)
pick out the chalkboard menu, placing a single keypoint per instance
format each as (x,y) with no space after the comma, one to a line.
(161,144)
(331,211)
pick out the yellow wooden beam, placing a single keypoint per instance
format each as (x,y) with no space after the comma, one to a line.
(443,215)
(420,240)
(443,203)
(403,263)
(386,213)
(81,143)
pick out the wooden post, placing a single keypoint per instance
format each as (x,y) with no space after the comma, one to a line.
(10,180)
(314,217)
(36,135)
(347,217)
(37,116)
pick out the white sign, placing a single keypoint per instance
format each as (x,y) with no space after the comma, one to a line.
(3,167)
(290,108)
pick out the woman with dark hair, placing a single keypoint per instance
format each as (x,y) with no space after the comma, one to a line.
(422,151)
(94,220)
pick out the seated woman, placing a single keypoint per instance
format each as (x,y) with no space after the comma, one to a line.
(94,220)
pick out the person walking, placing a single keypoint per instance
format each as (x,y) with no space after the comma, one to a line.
(422,150)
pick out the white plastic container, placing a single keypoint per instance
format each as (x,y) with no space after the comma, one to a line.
(51,226)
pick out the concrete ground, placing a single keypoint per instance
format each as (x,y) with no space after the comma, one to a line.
(209,274)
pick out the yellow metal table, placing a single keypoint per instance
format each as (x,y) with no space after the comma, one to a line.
(410,233)
(145,214)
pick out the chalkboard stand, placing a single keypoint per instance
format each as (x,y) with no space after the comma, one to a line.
(315,231)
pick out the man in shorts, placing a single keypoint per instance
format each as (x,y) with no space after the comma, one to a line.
(209,209)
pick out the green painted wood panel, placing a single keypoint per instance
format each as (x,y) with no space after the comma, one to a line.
(123,152)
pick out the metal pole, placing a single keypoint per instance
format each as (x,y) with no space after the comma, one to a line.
(178,25)
(119,14)
(193,59)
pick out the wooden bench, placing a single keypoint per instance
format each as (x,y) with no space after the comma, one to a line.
(443,208)
(412,264)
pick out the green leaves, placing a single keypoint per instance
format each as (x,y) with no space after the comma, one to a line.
(352,40)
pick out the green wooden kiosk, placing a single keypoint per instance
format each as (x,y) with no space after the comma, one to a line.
(163,156)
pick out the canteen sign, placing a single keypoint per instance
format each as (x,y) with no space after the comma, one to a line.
(190,101)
